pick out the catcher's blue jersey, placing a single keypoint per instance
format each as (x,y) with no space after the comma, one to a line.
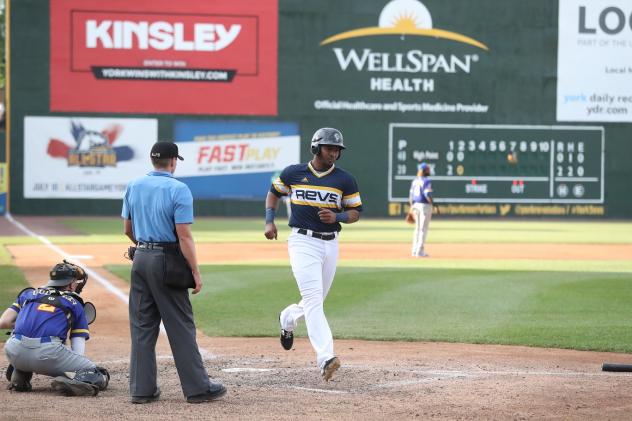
(310,190)
(37,320)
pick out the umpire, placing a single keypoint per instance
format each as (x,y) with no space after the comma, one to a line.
(158,211)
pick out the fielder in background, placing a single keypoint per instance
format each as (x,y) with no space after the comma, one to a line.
(421,204)
(158,213)
(322,197)
(41,319)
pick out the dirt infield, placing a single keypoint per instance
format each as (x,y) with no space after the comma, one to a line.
(378,380)
(101,254)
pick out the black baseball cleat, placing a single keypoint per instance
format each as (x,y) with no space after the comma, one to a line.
(216,390)
(147,399)
(287,337)
(20,381)
(330,367)
(20,387)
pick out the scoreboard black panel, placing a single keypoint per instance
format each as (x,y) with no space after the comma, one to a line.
(499,163)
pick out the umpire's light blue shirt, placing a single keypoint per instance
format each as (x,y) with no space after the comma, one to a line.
(155,203)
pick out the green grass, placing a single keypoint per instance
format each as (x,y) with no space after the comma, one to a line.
(11,283)
(578,304)
(110,230)
(586,311)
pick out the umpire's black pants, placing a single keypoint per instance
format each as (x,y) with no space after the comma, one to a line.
(149,302)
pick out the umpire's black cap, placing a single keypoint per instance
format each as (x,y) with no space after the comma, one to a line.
(165,149)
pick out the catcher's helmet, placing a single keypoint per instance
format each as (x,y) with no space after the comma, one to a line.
(326,136)
(65,273)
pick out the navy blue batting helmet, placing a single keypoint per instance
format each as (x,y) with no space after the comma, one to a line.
(326,136)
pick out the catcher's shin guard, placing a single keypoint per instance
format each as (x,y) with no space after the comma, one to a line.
(72,387)
(98,376)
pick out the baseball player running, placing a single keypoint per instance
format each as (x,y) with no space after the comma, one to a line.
(41,319)
(420,200)
(322,197)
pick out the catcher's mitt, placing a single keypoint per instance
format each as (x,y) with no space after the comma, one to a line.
(410,218)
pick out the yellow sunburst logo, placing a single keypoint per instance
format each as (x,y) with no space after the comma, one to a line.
(405,17)
(405,22)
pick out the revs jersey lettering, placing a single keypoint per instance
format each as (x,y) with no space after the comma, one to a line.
(310,191)
(37,318)
(316,196)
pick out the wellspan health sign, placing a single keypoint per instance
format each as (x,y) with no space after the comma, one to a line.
(185,57)
(403,64)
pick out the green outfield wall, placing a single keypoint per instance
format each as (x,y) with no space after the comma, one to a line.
(522,109)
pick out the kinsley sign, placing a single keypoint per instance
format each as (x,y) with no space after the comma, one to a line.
(185,57)
(158,35)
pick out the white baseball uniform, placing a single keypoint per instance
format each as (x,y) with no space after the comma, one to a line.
(313,245)
(420,192)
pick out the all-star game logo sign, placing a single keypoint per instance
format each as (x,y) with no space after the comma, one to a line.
(91,148)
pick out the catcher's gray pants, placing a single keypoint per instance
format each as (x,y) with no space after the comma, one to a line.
(149,302)
(49,358)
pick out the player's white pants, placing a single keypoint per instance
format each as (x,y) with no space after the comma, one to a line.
(423,214)
(314,265)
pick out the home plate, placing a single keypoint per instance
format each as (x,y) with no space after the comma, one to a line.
(245,370)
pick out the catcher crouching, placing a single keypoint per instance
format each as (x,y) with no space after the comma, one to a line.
(42,319)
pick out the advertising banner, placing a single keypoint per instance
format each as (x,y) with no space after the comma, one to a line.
(405,61)
(594,66)
(234,159)
(158,56)
(4,186)
(83,157)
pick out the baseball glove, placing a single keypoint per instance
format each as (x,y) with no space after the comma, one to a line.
(410,218)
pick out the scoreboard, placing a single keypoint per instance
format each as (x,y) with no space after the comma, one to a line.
(499,163)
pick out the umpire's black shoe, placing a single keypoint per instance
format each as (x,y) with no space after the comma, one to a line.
(147,399)
(216,390)
(287,337)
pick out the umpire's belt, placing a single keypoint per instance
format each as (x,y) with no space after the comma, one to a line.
(323,236)
(41,340)
(157,246)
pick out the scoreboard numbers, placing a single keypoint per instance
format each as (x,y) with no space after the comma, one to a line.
(499,163)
